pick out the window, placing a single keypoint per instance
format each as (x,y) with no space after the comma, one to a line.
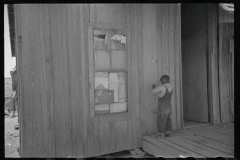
(109,65)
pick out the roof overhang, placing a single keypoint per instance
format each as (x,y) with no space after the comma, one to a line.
(11,28)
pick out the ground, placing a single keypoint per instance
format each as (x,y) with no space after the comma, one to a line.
(11,137)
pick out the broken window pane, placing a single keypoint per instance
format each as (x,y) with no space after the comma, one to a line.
(117,45)
(102,60)
(118,59)
(99,39)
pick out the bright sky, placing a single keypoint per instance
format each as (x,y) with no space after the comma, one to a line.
(9,61)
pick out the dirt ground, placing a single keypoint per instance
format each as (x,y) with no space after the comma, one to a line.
(11,137)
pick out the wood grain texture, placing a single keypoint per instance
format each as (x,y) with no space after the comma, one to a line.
(149,123)
(57,80)
(84,9)
(178,67)
(156,151)
(213,88)
(42,84)
(49,81)
(206,141)
(111,13)
(224,71)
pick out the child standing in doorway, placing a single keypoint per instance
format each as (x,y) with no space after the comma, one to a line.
(164,107)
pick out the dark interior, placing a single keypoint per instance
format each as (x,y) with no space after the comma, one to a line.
(194,63)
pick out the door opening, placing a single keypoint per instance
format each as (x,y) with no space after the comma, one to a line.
(194,64)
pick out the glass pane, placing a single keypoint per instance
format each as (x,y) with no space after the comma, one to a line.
(99,39)
(103,96)
(118,107)
(117,45)
(113,85)
(118,59)
(121,87)
(102,60)
(101,80)
(102,107)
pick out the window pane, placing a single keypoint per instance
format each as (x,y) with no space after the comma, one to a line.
(117,45)
(118,59)
(99,38)
(101,80)
(103,96)
(113,85)
(118,107)
(102,60)
(121,87)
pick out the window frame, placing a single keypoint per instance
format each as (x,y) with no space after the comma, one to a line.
(92,70)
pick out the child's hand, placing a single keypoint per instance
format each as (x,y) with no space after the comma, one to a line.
(153,86)
(154,111)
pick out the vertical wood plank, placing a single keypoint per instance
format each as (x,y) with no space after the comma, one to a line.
(172,19)
(178,68)
(34,101)
(93,13)
(49,81)
(65,60)
(84,10)
(141,76)
(133,34)
(79,67)
(129,68)
(129,134)
(112,136)
(138,50)
(150,67)
(119,135)
(136,119)
(43,84)
(165,51)
(213,66)
(26,131)
(71,77)
(104,138)
(56,41)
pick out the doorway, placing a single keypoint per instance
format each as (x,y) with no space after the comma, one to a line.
(194,64)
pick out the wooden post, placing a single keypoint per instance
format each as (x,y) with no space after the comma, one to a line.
(213,91)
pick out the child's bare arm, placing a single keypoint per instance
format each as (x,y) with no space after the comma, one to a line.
(157,90)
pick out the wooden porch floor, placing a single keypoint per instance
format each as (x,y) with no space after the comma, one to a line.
(201,141)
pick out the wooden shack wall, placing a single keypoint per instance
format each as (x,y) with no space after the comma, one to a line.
(161,54)
(54,82)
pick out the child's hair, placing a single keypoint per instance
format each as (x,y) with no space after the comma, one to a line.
(164,79)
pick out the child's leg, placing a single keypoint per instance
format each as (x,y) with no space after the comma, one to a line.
(168,124)
(161,124)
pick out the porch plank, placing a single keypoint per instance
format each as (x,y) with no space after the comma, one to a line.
(179,147)
(215,136)
(212,151)
(219,130)
(227,128)
(206,141)
(191,147)
(155,150)
(230,124)
(166,147)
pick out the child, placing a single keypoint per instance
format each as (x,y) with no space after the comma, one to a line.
(164,107)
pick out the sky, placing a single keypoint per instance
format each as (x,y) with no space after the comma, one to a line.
(9,61)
